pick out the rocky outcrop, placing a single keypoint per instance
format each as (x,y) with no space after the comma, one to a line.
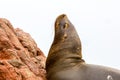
(20,58)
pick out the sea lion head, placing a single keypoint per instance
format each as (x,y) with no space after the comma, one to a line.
(65,49)
(65,37)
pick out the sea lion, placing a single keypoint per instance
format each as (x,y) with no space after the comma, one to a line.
(64,61)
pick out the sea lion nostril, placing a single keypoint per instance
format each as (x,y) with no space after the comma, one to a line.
(63,15)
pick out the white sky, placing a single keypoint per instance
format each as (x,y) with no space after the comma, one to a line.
(97,23)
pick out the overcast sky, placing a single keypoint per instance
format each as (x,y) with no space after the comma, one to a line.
(96,21)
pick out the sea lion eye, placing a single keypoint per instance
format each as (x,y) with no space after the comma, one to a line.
(57,24)
(65,26)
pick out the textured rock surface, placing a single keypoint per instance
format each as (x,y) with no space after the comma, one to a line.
(20,58)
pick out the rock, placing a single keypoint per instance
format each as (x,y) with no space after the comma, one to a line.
(20,58)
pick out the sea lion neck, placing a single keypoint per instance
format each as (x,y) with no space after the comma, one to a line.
(65,37)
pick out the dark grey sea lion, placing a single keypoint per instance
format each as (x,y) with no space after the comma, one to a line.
(64,61)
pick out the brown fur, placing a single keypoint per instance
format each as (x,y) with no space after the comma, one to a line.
(64,61)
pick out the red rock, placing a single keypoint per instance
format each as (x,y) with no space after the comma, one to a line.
(20,58)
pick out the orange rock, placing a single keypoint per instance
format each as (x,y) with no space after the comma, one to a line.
(20,58)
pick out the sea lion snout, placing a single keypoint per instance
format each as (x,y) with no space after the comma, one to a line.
(61,22)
